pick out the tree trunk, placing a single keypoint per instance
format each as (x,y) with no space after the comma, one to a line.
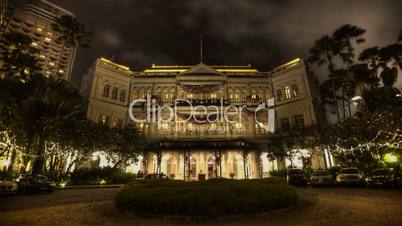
(38,164)
(336,100)
(343,103)
(11,164)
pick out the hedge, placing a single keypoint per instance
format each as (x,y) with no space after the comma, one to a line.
(208,198)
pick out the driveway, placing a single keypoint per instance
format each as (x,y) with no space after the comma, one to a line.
(317,206)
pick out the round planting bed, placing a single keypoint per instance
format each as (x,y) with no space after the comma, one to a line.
(211,198)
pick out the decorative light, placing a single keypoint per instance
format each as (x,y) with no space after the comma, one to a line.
(63,184)
(102,182)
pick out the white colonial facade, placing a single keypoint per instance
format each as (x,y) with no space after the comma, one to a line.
(223,116)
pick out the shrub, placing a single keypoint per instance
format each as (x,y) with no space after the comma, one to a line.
(97,175)
(278,173)
(207,198)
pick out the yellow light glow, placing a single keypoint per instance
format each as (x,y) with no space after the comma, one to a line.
(238,70)
(39,29)
(47,39)
(297,60)
(4,162)
(61,71)
(391,158)
(164,70)
(51,63)
(102,182)
(114,64)
(34,44)
(42,56)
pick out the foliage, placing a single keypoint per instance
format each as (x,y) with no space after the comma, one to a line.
(207,198)
(72,32)
(107,175)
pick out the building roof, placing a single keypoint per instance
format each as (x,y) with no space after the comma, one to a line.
(201,69)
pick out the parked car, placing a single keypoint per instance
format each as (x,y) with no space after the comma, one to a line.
(156,176)
(35,183)
(8,186)
(321,177)
(350,176)
(383,177)
(296,177)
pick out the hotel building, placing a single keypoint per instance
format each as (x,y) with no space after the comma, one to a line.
(194,143)
(36,20)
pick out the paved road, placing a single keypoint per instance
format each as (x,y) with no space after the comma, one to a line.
(317,206)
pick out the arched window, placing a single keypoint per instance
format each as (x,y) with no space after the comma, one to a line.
(122,95)
(114,93)
(106,89)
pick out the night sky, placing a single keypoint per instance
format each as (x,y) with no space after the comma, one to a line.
(261,32)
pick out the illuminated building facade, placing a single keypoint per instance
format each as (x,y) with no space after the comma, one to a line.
(205,121)
(36,21)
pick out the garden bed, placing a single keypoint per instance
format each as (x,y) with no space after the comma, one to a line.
(211,198)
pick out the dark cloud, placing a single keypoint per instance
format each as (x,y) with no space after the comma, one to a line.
(263,33)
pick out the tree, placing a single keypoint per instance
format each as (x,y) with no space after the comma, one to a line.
(344,37)
(18,55)
(38,109)
(71,32)
(323,52)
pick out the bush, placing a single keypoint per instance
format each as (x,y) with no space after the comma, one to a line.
(107,175)
(278,173)
(206,198)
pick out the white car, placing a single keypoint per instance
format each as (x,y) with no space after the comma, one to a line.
(350,176)
(8,186)
(321,177)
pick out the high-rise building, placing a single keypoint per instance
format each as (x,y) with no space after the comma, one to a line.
(36,20)
(6,9)
(215,121)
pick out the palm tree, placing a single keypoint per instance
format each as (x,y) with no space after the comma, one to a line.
(71,32)
(323,52)
(344,36)
(39,108)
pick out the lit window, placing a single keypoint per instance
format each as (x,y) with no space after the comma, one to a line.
(61,71)
(253,96)
(42,56)
(106,89)
(190,96)
(122,95)
(47,39)
(117,123)
(39,29)
(295,91)
(50,33)
(34,44)
(114,93)
(51,63)
(288,93)
(104,120)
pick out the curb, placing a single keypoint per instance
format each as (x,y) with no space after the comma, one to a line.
(90,186)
